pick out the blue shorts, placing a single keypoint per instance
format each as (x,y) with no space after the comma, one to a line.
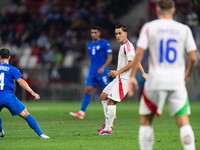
(95,79)
(12,103)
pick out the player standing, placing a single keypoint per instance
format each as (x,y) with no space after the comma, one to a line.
(100,54)
(115,91)
(8,99)
(167,41)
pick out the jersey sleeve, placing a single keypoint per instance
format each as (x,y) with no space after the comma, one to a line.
(143,37)
(108,48)
(16,73)
(130,51)
(190,43)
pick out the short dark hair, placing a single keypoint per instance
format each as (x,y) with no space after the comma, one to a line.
(96,28)
(4,53)
(165,4)
(124,28)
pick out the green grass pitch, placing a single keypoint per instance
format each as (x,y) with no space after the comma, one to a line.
(69,133)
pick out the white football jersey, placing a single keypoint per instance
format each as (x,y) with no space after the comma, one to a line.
(167,41)
(126,53)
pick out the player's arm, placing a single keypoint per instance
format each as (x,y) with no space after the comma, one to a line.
(114,73)
(135,65)
(144,75)
(142,44)
(190,65)
(25,86)
(107,62)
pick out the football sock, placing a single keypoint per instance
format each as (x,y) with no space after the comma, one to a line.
(81,112)
(187,137)
(111,112)
(104,103)
(1,125)
(146,137)
(33,124)
(85,102)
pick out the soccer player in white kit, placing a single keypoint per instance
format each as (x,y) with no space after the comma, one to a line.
(116,90)
(167,41)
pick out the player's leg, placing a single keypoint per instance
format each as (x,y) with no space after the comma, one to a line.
(186,132)
(151,104)
(87,98)
(32,123)
(2,134)
(91,83)
(104,101)
(104,80)
(3,99)
(16,107)
(111,112)
(85,102)
(110,116)
(146,132)
(180,108)
(115,91)
(0,124)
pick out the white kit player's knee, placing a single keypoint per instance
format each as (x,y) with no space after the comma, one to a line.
(187,137)
(146,137)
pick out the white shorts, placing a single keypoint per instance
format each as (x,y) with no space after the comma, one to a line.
(152,101)
(117,89)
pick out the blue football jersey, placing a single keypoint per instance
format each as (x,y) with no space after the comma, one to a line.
(8,74)
(98,52)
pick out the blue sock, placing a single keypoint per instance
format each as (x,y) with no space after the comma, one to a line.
(85,102)
(1,125)
(33,124)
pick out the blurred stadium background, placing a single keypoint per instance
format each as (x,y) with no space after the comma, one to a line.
(48,39)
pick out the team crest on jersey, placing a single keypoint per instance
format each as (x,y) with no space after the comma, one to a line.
(97,47)
(110,94)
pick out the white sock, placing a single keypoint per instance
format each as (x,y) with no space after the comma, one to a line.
(111,112)
(146,137)
(82,112)
(104,103)
(187,137)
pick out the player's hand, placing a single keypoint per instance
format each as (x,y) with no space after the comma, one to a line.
(187,79)
(145,76)
(113,73)
(100,71)
(133,85)
(37,96)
